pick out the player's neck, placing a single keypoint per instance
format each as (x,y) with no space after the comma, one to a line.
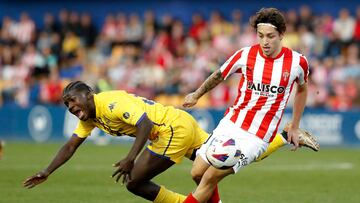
(276,53)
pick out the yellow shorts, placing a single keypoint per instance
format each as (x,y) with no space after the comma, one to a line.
(179,139)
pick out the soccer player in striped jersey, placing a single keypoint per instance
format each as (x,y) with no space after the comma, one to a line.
(269,72)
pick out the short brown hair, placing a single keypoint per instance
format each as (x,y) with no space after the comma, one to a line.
(269,15)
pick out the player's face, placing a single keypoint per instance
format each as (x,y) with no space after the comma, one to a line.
(79,104)
(270,40)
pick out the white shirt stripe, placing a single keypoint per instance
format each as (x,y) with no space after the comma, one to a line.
(277,77)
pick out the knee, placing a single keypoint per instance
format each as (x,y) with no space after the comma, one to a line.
(133,186)
(196,175)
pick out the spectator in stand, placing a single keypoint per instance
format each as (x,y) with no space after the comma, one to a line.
(56,46)
(177,39)
(51,60)
(121,25)
(292,18)
(71,43)
(166,23)
(51,89)
(150,21)
(50,24)
(344,27)
(320,42)
(8,30)
(109,28)
(218,25)
(236,16)
(306,18)
(327,24)
(134,30)
(73,68)
(25,29)
(44,40)
(32,58)
(307,40)
(197,26)
(88,30)
(64,23)
(74,23)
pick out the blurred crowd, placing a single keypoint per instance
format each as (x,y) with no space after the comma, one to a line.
(161,58)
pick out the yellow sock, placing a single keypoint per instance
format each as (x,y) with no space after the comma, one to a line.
(167,196)
(277,142)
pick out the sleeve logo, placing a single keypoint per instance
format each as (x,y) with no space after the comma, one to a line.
(112,106)
(126,115)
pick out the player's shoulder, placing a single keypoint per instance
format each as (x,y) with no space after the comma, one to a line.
(113,94)
(300,60)
(294,53)
(110,99)
(247,48)
(243,51)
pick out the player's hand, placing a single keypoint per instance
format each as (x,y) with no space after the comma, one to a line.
(293,137)
(190,100)
(35,179)
(124,169)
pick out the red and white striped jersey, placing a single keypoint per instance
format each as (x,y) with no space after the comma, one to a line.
(264,88)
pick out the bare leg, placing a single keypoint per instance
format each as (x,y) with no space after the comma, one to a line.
(210,179)
(146,167)
(198,169)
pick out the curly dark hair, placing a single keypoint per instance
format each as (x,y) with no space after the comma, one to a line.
(269,15)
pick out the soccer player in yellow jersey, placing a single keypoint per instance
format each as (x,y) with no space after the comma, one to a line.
(173,134)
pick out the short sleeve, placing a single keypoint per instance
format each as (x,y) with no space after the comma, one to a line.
(84,129)
(129,112)
(232,65)
(304,70)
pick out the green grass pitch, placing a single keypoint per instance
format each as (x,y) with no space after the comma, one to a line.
(331,175)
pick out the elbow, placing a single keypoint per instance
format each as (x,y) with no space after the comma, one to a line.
(302,88)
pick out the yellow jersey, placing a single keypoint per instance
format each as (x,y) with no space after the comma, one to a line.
(118,113)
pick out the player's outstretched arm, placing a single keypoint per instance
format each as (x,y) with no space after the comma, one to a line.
(64,154)
(125,165)
(212,81)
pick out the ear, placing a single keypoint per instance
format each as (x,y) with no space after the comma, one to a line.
(281,36)
(89,95)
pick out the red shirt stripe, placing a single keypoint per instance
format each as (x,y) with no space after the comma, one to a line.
(305,66)
(249,76)
(266,79)
(273,109)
